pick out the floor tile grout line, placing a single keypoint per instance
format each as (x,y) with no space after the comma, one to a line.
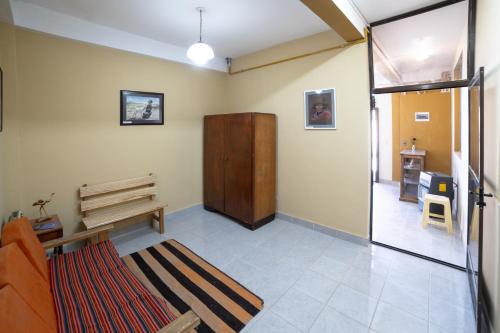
(378,302)
(429,302)
(325,304)
(293,284)
(356,320)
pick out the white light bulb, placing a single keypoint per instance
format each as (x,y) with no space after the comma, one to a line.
(200,53)
(423,51)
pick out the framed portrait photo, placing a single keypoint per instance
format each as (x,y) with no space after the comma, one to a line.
(141,108)
(320,109)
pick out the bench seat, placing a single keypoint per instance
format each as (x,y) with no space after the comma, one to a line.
(117,214)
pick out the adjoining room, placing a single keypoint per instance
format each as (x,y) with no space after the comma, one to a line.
(415,159)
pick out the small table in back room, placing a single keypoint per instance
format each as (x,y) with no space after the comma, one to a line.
(49,234)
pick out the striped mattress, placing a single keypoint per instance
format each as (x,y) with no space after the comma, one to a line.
(94,291)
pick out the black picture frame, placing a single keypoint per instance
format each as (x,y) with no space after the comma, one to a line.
(135,108)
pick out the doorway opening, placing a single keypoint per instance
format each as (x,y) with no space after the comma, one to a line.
(413,53)
(415,153)
(419,116)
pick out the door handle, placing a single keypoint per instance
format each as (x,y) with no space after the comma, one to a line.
(489,195)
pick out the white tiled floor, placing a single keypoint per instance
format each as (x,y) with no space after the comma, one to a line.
(398,223)
(312,282)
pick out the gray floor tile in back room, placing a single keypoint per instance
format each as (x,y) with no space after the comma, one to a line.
(312,282)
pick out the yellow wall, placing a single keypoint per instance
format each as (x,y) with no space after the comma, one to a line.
(10,194)
(68,101)
(68,105)
(488,55)
(434,136)
(323,175)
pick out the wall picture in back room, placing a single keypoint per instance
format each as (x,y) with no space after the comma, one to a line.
(141,108)
(320,109)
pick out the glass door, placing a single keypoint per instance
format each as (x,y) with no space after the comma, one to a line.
(476,190)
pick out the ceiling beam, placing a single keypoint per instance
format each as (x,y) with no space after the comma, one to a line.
(341,15)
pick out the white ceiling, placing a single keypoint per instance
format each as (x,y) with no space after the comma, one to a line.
(232,27)
(374,10)
(165,28)
(399,41)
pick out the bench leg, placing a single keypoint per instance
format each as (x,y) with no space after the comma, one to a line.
(161,221)
(103,235)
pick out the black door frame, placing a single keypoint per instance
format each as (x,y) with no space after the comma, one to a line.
(482,319)
(419,87)
(481,304)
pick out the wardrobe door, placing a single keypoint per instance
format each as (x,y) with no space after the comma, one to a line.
(213,162)
(238,170)
(264,166)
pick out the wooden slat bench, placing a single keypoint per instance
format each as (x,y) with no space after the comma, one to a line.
(118,201)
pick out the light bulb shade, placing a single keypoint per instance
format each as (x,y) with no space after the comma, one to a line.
(200,53)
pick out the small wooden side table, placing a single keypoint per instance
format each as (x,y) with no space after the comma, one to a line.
(49,234)
(412,163)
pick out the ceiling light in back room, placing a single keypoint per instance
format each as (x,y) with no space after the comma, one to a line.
(423,51)
(200,53)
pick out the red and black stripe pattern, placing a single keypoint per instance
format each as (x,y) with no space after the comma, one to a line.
(94,291)
(186,281)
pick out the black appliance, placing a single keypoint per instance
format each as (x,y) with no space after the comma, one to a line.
(435,183)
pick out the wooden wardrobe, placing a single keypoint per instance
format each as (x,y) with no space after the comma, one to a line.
(239,166)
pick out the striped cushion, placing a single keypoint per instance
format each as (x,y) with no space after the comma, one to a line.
(95,292)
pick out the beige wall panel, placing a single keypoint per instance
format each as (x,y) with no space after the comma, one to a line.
(323,175)
(10,189)
(69,103)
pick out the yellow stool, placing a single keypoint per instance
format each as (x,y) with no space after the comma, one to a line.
(427,216)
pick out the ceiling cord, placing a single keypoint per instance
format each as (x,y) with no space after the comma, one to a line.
(201,23)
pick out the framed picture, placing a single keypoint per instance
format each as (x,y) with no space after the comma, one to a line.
(422,116)
(140,108)
(320,109)
(1,100)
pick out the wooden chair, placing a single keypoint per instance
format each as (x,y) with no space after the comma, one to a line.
(118,201)
(429,218)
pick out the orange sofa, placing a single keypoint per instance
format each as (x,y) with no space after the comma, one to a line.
(37,294)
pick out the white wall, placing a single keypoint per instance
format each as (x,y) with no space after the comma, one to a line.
(488,55)
(384,104)
(459,162)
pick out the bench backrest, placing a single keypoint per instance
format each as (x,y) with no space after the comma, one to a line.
(94,197)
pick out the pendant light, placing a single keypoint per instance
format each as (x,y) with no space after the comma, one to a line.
(200,53)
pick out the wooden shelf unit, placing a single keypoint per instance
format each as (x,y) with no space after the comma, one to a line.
(412,163)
